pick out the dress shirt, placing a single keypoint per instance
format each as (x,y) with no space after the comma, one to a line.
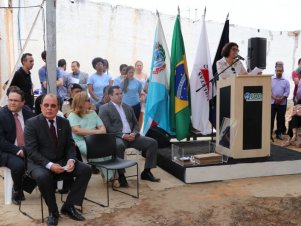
(280,87)
(125,124)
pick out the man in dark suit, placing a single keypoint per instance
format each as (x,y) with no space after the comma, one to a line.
(12,120)
(120,119)
(51,156)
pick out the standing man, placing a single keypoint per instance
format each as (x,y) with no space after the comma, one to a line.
(52,156)
(12,119)
(280,92)
(44,77)
(62,65)
(120,119)
(22,79)
(78,76)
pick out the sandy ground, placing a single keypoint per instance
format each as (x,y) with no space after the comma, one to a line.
(254,201)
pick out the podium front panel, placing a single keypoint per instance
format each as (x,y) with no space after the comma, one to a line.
(250,116)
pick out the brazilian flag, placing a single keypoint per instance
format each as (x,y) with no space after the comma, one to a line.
(179,86)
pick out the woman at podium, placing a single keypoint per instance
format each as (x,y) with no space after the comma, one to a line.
(230,65)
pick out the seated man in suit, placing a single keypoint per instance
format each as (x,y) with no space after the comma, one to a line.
(51,156)
(12,120)
(120,119)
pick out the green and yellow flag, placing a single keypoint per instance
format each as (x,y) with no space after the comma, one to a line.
(179,86)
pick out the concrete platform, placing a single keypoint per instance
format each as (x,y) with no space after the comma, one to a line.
(282,161)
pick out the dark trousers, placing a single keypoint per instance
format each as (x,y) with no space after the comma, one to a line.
(45,177)
(147,145)
(137,109)
(17,167)
(278,111)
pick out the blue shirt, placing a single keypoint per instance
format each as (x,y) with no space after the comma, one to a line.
(98,82)
(132,96)
(117,81)
(43,78)
(280,87)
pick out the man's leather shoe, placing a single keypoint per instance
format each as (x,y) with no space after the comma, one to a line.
(63,191)
(147,175)
(279,137)
(53,219)
(123,182)
(72,213)
(94,170)
(17,196)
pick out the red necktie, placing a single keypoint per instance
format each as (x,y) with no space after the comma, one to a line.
(53,132)
(19,131)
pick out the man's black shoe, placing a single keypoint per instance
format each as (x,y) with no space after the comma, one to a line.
(147,175)
(72,213)
(123,182)
(279,137)
(17,196)
(63,191)
(94,170)
(53,219)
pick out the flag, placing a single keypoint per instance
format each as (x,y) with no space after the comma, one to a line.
(200,76)
(179,86)
(223,41)
(157,101)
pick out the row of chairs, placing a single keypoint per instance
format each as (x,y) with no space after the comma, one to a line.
(100,146)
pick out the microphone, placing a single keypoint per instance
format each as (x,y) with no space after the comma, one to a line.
(240,57)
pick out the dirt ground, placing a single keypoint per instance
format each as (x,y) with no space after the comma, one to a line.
(253,201)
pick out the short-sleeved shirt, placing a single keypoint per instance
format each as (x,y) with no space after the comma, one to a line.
(88,121)
(117,81)
(280,87)
(235,69)
(295,75)
(43,78)
(132,96)
(98,82)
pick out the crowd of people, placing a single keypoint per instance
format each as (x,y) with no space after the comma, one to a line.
(48,130)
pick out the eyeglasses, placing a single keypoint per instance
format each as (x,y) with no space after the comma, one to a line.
(50,105)
(88,100)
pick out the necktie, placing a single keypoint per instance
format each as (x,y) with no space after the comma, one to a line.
(53,132)
(19,131)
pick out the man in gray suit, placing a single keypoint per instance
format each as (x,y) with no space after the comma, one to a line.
(75,77)
(120,119)
(52,156)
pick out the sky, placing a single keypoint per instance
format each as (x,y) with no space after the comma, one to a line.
(278,15)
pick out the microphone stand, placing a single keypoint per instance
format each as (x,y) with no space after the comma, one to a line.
(215,77)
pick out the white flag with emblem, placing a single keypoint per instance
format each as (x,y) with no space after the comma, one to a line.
(200,77)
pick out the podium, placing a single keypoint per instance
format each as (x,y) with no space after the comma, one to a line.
(245,102)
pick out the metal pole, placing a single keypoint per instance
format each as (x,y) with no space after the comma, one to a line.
(51,45)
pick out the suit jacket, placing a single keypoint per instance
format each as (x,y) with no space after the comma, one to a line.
(39,146)
(112,120)
(82,77)
(8,132)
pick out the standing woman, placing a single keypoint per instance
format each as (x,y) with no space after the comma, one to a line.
(98,81)
(230,53)
(84,121)
(131,89)
(142,77)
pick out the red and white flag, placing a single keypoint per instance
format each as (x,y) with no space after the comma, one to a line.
(200,77)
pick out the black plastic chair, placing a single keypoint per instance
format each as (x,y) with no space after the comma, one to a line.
(30,187)
(104,145)
(27,176)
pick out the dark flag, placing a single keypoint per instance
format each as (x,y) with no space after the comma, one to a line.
(223,41)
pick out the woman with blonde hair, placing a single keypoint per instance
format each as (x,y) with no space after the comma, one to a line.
(84,122)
